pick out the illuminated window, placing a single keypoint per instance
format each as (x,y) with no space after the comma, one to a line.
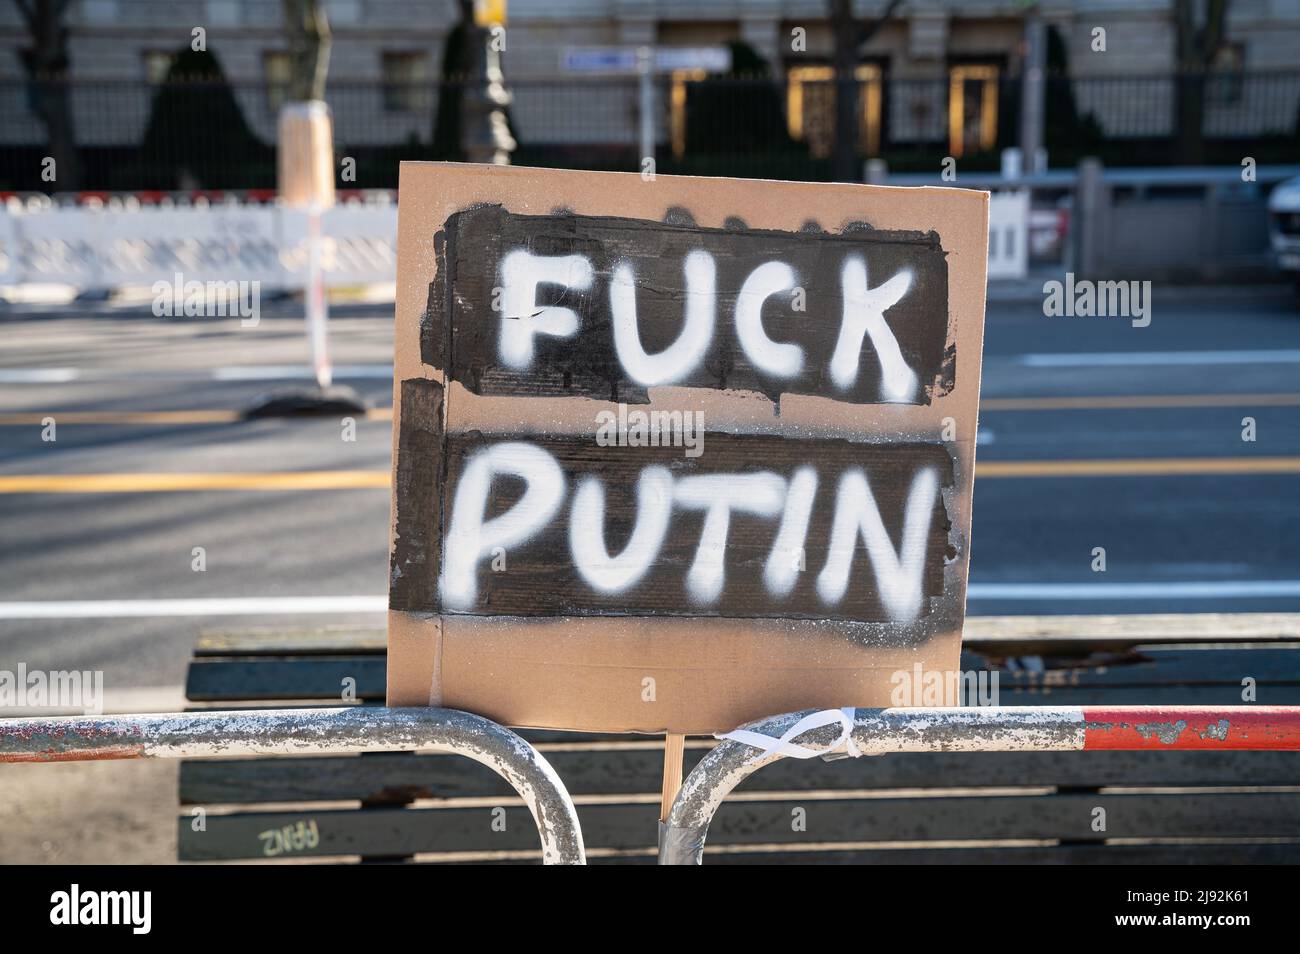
(810,108)
(677,103)
(972,109)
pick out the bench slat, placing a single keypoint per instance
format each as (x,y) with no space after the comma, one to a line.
(1112,631)
(1005,635)
(1069,854)
(278,641)
(1185,678)
(1156,853)
(1223,695)
(1275,665)
(308,677)
(398,831)
(399,777)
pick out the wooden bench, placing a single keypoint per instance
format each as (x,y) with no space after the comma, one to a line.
(1160,807)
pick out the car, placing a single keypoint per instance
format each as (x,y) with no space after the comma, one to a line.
(1284,227)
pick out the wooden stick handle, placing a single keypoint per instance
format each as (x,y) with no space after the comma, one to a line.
(674,746)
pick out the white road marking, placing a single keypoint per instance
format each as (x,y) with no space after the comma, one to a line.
(234,372)
(1125,359)
(267,372)
(327,605)
(130,700)
(273,372)
(38,375)
(1206,589)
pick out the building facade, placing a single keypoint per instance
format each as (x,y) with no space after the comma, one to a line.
(933,74)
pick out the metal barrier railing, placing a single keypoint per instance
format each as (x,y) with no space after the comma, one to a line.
(827,734)
(219,734)
(852,733)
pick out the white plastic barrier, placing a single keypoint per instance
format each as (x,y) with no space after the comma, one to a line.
(115,246)
(1009,234)
(9,270)
(120,245)
(360,243)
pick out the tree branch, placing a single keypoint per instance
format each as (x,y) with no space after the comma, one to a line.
(869,29)
(1216,21)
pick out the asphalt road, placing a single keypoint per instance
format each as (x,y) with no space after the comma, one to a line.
(1093,434)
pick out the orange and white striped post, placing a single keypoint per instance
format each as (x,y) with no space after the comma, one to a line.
(306,181)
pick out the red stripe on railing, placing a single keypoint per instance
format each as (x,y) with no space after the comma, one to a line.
(1192,727)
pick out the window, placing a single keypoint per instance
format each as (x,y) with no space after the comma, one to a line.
(677,107)
(406,81)
(810,108)
(1225,81)
(156,65)
(277,70)
(972,109)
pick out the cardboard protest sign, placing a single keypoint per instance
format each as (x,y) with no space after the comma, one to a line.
(676,454)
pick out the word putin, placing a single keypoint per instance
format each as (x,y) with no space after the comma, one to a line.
(785,504)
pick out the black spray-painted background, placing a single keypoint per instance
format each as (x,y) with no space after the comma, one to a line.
(460,330)
(538,577)
(460,335)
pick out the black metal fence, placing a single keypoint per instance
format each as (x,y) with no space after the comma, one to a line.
(133,136)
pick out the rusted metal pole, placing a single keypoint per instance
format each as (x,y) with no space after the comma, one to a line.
(203,735)
(857,732)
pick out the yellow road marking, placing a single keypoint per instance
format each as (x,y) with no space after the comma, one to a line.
(1138,467)
(155,483)
(1097,402)
(379,479)
(122,417)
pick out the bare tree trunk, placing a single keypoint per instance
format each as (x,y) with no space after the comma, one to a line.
(850,38)
(458,64)
(1197,45)
(309,48)
(845,167)
(46,62)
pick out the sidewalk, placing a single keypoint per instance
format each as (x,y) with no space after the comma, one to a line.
(88,812)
